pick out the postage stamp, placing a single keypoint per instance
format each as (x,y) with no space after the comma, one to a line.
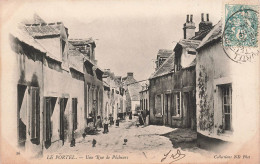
(240,36)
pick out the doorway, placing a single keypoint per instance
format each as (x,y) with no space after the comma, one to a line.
(48,124)
(63,120)
(21,114)
(190,108)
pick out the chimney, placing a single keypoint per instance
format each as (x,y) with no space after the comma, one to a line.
(189,28)
(130,74)
(205,25)
(187,20)
(191,17)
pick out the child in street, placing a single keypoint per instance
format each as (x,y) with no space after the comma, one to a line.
(105,122)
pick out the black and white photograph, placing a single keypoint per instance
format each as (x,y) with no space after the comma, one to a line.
(129,81)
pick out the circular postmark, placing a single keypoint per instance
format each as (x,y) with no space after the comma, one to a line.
(239,39)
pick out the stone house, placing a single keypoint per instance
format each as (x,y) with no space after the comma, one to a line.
(226,110)
(172,85)
(132,89)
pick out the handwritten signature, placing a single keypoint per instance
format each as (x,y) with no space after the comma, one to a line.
(177,156)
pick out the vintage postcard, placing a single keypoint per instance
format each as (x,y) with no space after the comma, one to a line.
(129,81)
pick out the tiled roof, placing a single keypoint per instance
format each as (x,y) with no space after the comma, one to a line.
(165,68)
(82,41)
(164,53)
(41,30)
(214,34)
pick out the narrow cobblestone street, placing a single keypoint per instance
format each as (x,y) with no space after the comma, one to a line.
(149,143)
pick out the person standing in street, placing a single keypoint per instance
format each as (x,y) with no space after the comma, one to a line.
(105,123)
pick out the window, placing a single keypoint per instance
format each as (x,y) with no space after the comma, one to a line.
(227,106)
(89,69)
(177,104)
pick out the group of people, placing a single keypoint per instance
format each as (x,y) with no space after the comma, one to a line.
(109,120)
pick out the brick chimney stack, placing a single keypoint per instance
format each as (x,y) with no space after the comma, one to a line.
(187,20)
(205,25)
(189,27)
(130,74)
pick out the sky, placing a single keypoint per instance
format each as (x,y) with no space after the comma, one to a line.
(128,34)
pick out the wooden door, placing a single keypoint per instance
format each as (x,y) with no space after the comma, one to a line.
(63,104)
(187,109)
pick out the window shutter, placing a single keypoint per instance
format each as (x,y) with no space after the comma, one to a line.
(48,119)
(162,107)
(175,110)
(74,113)
(34,113)
(62,106)
(180,103)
